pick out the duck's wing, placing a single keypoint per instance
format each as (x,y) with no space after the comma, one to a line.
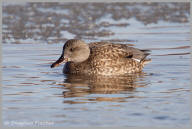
(137,54)
(111,50)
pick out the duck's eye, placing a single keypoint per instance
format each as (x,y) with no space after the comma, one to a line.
(71,49)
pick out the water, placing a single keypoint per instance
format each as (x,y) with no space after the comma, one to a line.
(36,95)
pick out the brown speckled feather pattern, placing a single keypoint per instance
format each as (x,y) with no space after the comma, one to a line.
(109,59)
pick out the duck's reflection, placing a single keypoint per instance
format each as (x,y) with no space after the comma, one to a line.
(79,86)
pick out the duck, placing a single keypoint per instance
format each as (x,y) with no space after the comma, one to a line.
(101,58)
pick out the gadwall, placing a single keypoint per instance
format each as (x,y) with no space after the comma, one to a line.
(101,58)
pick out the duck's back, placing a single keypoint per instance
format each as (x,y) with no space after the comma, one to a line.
(109,59)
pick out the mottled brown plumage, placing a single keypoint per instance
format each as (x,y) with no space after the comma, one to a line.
(101,58)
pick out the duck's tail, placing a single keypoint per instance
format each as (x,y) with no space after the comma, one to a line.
(145,61)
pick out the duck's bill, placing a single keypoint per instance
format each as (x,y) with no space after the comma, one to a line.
(61,60)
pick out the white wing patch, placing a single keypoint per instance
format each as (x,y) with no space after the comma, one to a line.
(136,59)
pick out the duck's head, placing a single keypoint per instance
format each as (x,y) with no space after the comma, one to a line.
(73,50)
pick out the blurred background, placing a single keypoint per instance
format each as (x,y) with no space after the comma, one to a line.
(57,22)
